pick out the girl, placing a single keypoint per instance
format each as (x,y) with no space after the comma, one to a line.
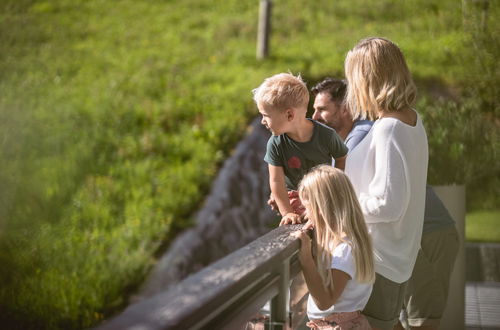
(388,169)
(340,276)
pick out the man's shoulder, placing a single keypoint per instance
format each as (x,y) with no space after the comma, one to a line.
(362,125)
(358,132)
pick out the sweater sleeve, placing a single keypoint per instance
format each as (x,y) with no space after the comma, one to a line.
(388,192)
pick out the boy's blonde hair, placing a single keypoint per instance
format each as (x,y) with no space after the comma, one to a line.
(331,203)
(378,79)
(282,91)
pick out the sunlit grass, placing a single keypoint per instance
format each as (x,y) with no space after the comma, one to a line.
(115,115)
(483,226)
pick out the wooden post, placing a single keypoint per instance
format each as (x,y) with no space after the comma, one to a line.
(264,29)
(280,304)
(484,14)
(475,12)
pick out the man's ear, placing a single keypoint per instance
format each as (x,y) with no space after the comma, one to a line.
(343,108)
(290,114)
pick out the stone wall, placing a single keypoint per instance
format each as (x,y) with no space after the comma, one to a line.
(234,214)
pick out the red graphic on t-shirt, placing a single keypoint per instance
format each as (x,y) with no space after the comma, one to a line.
(294,162)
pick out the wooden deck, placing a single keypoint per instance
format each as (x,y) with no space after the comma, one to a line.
(482,290)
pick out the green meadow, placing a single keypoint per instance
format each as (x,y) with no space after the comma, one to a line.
(482,226)
(116,115)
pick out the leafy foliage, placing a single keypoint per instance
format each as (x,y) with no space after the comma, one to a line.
(463,149)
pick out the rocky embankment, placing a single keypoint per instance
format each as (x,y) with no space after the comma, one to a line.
(234,214)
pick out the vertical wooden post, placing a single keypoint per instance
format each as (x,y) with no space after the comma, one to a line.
(464,14)
(484,14)
(475,12)
(264,29)
(280,304)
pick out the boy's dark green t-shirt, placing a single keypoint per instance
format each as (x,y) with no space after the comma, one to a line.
(297,158)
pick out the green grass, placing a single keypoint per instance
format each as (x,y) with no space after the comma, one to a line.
(483,226)
(115,116)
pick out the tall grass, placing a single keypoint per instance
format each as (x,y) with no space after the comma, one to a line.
(115,115)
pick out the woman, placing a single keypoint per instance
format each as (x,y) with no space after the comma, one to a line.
(388,169)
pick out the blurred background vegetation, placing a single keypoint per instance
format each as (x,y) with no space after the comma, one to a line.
(115,116)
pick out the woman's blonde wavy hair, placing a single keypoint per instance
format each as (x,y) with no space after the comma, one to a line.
(331,203)
(378,79)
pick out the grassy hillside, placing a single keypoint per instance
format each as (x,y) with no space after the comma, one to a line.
(115,115)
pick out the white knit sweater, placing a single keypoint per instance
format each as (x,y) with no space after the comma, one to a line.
(388,170)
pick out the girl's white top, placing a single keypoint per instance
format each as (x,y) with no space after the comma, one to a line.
(388,170)
(355,294)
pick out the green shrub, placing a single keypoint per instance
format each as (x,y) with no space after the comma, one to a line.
(463,149)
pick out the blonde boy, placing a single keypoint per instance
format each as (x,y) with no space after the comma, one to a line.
(297,144)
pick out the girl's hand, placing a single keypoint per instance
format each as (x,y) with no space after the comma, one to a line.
(309,224)
(305,244)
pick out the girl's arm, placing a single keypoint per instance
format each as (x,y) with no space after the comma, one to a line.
(278,190)
(323,297)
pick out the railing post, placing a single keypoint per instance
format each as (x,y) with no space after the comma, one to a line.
(264,29)
(280,303)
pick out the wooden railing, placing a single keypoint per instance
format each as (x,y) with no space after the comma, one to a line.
(226,294)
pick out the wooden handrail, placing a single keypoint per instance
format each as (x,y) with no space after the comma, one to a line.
(226,294)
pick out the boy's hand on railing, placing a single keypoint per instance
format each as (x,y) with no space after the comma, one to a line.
(290,219)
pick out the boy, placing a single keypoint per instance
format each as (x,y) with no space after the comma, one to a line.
(297,144)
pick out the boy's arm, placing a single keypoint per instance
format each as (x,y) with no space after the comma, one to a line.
(340,162)
(278,190)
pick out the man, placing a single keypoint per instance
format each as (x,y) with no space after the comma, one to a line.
(427,290)
(329,109)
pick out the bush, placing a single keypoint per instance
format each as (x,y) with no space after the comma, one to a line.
(463,149)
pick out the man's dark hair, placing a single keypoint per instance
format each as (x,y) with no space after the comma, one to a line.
(335,87)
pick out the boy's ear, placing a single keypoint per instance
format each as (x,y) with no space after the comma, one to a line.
(290,114)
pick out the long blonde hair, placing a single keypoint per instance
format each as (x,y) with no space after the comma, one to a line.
(378,79)
(331,203)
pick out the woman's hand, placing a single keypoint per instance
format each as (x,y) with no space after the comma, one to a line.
(305,252)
